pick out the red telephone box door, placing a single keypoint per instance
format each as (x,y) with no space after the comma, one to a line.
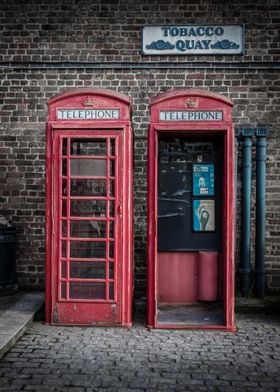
(87,184)
(90,276)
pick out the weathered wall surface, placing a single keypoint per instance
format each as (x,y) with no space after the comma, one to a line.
(48,47)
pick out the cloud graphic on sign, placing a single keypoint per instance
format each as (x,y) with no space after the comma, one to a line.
(160,45)
(225,44)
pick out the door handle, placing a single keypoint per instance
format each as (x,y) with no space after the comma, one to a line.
(119,209)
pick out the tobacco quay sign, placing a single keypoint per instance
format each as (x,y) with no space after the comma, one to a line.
(192,39)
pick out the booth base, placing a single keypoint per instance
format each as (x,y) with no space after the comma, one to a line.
(197,314)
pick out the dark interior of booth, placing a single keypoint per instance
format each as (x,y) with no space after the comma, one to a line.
(189,226)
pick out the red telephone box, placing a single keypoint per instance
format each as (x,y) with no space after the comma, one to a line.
(191,211)
(89,209)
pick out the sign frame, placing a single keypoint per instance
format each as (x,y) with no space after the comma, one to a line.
(224,47)
(191,115)
(79,114)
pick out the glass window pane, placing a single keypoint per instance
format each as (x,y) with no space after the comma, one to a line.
(112,147)
(111,270)
(64,146)
(112,188)
(111,230)
(64,167)
(64,228)
(64,187)
(88,208)
(88,167)
(63,248)
(111,250)
(112,208)
(63,269)
(86,270)
(112,168)
(87,249)
(88,229)
(87,290)
(111,291)
(88,187)
(88,147)
(63,290)
(64,208)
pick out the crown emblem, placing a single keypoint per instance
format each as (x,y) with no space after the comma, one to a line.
(88,101)
(192,103)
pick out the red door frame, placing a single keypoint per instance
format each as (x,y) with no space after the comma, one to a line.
(189,100)
(87,99)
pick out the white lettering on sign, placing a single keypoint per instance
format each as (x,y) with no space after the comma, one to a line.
(191,115)
(88,114)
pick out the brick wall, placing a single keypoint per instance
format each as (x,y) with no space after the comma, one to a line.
(52,46)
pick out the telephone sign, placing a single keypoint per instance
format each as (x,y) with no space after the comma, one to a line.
(191,115)
(88,114)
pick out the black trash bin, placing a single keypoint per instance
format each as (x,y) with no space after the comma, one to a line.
(7,260)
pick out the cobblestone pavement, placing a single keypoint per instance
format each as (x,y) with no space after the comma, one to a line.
(111,359)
